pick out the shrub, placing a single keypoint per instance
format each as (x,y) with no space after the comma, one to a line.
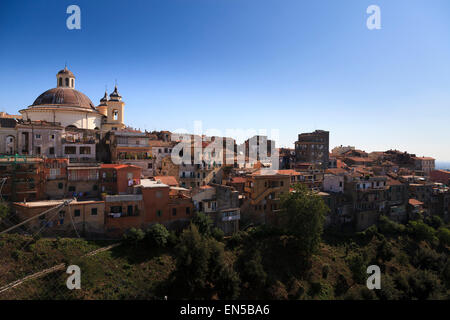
(325,271)
(384,251)
(203,223)
(357,265)
(434,221)
(388,227)
(133,236)
(443,235)
(217,234)
(421,231)
(157,235)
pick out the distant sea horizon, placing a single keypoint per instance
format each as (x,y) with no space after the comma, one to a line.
(442,165)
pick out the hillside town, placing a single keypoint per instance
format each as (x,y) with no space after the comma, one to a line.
(63,147)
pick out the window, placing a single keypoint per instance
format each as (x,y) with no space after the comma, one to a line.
(71,84)
(67,82)
(115,115)
(62,214)
(72,189)
(93,211)
(149,166)
(70,150)
(61,185)
(38,136)
(52,137)
(38,150)
(60,82)
(174,211)
(116,209)
(188,210)
(77,213)
(51,150)
(159,213)
(85,150)
(95,187)
(130,210)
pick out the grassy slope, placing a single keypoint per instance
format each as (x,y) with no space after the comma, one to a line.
(140,273)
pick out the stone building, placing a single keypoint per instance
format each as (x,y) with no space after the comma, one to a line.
(313,148)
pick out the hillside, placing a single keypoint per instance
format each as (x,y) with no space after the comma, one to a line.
(267,264)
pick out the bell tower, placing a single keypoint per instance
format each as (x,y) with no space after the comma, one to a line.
(112,109)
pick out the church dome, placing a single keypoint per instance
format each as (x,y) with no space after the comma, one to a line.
(63,97)
(66,72)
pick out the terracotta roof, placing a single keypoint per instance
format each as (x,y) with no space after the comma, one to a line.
(117,166)
(423,158)
(415,202)
(393,182)
(336,171)
(290,172)
(238,180)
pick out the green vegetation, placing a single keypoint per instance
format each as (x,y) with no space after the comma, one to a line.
(294,259)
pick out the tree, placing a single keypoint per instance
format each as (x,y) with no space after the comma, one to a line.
(203,223)
(201,270)
(217,234)
(303,216)
(157,235)
(4,210)
(421,231)
(134,236)
(251,269)
(444,236)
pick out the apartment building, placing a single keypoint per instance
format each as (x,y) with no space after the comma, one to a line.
(313,148)
(263,191)
(22,178)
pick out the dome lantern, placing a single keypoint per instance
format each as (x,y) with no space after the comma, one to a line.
(65,79)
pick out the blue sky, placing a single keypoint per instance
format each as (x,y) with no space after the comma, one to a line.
(295,66)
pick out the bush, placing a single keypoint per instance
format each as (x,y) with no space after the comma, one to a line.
(172,240)
(434,221)
(157,235)
(384,251)
(203,223)
(357,265)
(133,236)
(251,269)
(388,227)
(421,231)
(218,234)
(325,271)
(443,235)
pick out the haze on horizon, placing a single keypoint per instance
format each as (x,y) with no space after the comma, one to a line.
(240,64)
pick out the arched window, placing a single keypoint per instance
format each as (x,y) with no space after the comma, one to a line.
(67,82)
(60,82)
(71,83)
(115,114)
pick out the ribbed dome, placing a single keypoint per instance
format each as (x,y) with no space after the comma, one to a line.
(64,97)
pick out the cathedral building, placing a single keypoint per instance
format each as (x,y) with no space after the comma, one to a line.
(62,122)
(72,109)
